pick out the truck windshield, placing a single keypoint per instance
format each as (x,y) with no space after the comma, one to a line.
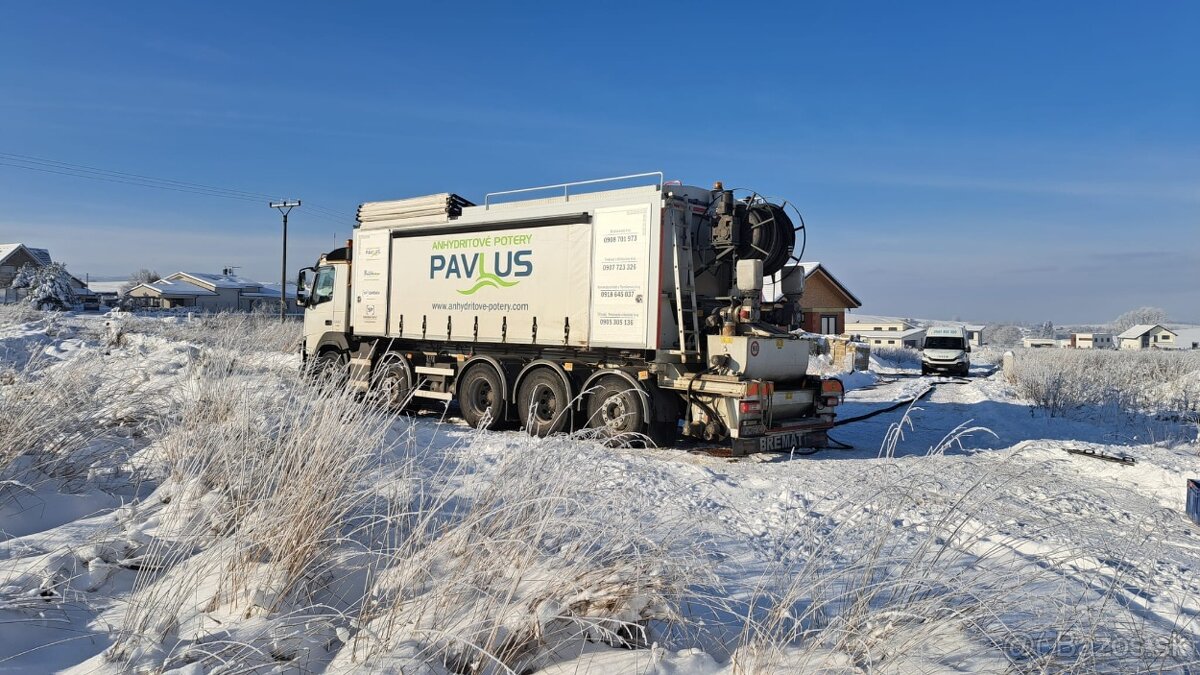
(323,286)
(943,342)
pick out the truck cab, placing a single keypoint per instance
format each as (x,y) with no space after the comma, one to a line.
(323,291)
(946,349)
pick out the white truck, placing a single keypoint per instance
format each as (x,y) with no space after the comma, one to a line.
(946,350)
(633,311)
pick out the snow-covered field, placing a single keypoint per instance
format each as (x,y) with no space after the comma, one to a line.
(175,498)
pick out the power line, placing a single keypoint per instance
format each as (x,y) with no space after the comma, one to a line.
(126,182)
(83,168)
(30,163)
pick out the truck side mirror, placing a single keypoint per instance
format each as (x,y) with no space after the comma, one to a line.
(302,288)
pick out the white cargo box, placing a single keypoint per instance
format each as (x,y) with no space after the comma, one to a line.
(580,272)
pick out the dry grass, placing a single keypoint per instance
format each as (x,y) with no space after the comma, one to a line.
(295,526)
(1140,381)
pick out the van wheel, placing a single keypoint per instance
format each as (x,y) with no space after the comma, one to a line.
(615,409)
(393,381)
(481,397)
(544,404)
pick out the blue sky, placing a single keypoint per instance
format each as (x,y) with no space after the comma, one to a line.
(1020,161)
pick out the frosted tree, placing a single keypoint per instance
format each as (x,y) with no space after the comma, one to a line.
(48,287)
(25,276)
(1004,336)
(1047,330)
(142,276)
(1141,316)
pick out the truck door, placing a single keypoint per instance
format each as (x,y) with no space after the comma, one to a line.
(327,309)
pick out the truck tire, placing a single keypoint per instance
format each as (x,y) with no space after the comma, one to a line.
(393,381)
(481,396)
(331,367)
(614,409)
(543,403)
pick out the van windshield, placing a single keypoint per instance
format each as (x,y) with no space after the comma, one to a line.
(943,342)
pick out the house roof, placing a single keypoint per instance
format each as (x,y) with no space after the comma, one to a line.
(1186,336)
(868,318)
(271,291)
(812,267)
(107,286)
(217,280)
(1140,330)
(882,334)
(176,288)
(39,254)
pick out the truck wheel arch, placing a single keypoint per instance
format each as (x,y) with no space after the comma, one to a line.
(643,395)
(332,340)
(508,393)
(552,365)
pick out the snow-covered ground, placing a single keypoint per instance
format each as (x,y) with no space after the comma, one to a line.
(188,504)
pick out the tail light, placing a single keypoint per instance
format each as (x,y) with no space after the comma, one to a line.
(750,407)
(832,392)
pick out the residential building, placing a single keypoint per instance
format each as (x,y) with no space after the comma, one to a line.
(210,293)
(1187,337)
(882,331)
(1147,336)
(974,333)
(15,256)
(909,337)
(824,301)
(1040,342)
(1092,341)
(863,323)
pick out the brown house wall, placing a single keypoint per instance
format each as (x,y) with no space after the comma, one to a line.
(819,291)
(821,297)
(13,264)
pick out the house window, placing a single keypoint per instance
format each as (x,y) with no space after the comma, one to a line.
(891,342)
(892,328)
(829,324)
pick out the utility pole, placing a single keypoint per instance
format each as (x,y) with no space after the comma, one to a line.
(284,207)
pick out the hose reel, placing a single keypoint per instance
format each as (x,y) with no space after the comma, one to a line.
(754,229)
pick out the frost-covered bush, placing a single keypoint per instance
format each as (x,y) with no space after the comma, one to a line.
(1143,381)
(244,332)
(49,287)
(900,358)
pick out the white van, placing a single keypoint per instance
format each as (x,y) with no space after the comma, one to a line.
(946,350)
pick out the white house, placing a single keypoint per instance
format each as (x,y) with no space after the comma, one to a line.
(1093,341)
(910,337)
(1187,337)
(1040,342)
(1147,336)
(209,292)
(879,331)
(862,323)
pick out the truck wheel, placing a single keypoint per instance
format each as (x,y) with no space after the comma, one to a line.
(393,381)
(481,397)
(544,404)
(615,410)
(331,367)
